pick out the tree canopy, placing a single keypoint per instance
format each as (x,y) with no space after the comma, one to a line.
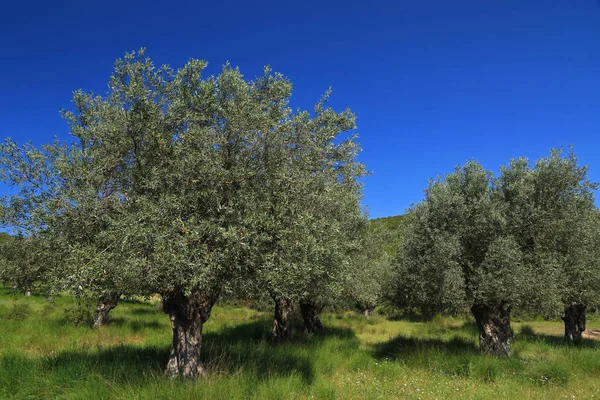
(522,239)
(182,185)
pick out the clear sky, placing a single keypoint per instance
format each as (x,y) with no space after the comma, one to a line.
(433,82)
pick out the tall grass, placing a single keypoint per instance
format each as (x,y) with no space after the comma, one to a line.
(42,356)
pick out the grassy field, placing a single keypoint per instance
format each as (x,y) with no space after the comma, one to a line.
(42,357)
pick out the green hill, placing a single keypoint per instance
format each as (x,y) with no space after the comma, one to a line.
(391,235)
(391,223)
(4,237)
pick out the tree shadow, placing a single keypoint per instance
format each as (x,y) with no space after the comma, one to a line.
(260,330)
(244,347)
(122,363)
(467,326)
(403,347)
(249,346)
(135,325)
(143,311)
(529,335)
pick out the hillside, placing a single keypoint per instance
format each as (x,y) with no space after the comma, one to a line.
(391,223)
(4,237)
(391,231)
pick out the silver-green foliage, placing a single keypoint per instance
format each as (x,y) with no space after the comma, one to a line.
(21,266)
(368,278)
(527,238)
(173,182)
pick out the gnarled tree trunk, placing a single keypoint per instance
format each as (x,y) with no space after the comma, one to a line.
(282,325)
(310,314)
(494,328)
(574,317)
(188,314)
(106,303)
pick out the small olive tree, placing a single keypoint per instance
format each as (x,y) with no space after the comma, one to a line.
(309,208)
(368,279)
(20,264)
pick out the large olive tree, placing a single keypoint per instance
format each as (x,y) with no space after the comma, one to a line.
(553,217)
(494,243)
(169,169)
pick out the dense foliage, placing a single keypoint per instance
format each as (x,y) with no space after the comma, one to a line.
(368,278)
(527,238)
(20,264)
(182,185)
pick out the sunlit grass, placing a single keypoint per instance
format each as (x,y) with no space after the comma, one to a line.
(43,357)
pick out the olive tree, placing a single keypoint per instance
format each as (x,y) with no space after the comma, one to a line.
(308,210)
(456,253)
(20,263)
(551,214)
(60,215)
(555,221)
(368,278)
(327,273)
(495,243)
(167,166)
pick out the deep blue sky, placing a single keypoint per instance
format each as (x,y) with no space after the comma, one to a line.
(434,83)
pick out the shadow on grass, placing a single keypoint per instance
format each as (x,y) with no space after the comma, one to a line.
(249,346)
(528,334)
(468,327)
(403,347)
(135,325)
(260,330)
(244,347)
(143,311)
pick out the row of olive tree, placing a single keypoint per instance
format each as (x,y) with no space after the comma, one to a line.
(528,238)
(187,187)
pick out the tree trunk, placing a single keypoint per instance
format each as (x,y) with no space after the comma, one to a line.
(310,314)
(282,325)
(366,312)
(107,303)
(28,291)
(574,317)
(494,328)
(188,314)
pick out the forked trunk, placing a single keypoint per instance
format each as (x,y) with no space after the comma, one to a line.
(574,317)
(188,314)
(493,322)
(282,325)
(105,305)
(310,314)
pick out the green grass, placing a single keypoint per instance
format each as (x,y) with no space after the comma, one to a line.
(43,357)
